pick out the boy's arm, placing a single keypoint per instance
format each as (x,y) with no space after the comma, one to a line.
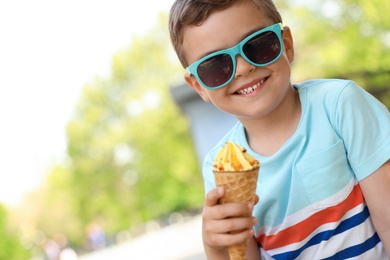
(376,191)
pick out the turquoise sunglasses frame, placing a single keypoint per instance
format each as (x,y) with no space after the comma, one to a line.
(238,49)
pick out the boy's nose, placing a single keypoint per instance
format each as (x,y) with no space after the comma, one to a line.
(243,68)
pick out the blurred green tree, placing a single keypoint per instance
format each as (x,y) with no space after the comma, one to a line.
(10,246)
(342,39)
(130,153)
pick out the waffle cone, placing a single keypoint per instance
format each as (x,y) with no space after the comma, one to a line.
(240,186)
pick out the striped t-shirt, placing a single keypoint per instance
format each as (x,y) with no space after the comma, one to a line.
(311,205)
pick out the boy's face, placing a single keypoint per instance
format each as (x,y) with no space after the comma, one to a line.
(254,91)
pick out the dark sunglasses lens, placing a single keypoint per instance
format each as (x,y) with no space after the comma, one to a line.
(263,48)
(216,70)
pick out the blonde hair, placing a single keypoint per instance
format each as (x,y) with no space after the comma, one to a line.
(194,12)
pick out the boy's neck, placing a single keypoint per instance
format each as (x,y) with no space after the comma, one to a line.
(268,134)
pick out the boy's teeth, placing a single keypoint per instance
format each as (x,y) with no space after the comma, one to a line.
(250,89)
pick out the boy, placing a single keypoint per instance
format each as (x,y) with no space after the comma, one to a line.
(323,145)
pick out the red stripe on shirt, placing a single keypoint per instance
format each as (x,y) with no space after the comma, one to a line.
(302,230)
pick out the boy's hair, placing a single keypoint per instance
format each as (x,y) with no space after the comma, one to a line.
(194,12)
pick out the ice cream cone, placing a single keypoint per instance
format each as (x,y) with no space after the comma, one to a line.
(240,186)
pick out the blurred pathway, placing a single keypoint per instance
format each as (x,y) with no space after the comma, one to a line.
(180,241)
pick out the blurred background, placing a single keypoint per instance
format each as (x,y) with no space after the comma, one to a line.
(101,142)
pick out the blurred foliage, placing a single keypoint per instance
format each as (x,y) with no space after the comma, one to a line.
(342,39)
(130,156)
(9,240)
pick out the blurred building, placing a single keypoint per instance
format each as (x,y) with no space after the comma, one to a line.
(208,124)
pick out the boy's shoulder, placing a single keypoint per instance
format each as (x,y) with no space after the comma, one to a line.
(323,84)
(326,89)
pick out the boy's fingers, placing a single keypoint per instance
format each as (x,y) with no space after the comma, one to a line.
(225,239)
(229,225)
(213,196)
(227,210)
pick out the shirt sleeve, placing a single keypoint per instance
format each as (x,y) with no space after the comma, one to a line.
(364,125)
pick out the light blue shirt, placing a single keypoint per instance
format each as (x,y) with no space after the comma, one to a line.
(343,137)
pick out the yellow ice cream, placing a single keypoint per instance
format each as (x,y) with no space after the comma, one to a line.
(232,157)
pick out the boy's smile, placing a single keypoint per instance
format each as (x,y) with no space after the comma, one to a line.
(250,89)
(254,92)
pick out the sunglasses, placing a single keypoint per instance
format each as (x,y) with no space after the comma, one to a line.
(260,49)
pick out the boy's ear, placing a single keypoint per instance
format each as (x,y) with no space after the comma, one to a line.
(288,43)
(194,84)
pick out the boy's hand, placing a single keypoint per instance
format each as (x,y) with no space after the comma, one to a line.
(221,219)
